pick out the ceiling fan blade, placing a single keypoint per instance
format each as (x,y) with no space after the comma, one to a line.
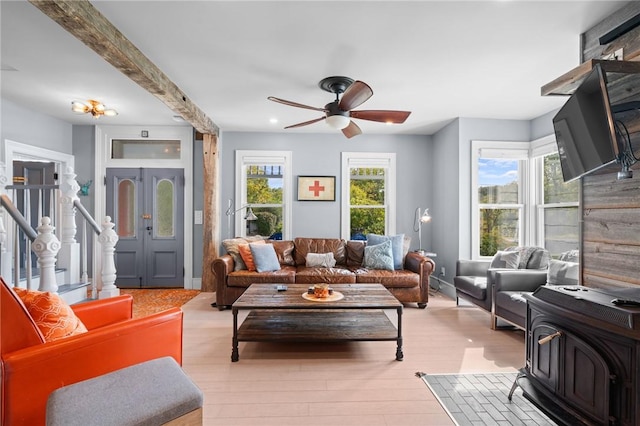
(351,130)
(383,116)
(305,123)
(355,95)
(294,104)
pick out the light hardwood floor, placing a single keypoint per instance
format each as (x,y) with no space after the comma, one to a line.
(354,383)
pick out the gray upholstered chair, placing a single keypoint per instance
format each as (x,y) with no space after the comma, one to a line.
(475,279)
(510,286)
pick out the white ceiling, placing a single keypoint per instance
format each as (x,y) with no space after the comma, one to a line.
(438,59)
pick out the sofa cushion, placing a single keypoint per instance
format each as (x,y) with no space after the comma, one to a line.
(397,246)
(247,255)
(512,301)
(53,316)
(563,273)
(320,260)
(505,260)
(264,257)
(355,252)
(379,256)
(336,275)
(389,279)
(231,246)
(473,286)
(284,251)
(285,275)
(319,245)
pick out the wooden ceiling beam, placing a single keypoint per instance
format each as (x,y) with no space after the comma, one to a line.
(87,24)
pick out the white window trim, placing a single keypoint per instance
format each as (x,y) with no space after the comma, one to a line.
(245,158)
(499,149)
(385,160)
(539,149)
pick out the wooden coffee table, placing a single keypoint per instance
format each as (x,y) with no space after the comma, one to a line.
(286,316)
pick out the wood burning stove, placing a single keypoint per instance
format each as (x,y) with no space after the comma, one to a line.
(582,355)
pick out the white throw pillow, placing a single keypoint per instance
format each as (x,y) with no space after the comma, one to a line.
(320,260)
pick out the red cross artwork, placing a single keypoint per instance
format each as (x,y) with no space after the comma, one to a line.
(316,188)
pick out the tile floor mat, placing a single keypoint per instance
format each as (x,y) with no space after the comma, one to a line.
(482,399)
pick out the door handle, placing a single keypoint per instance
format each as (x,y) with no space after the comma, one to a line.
(149,228)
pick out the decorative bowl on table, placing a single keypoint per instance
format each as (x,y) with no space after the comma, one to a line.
(320,291)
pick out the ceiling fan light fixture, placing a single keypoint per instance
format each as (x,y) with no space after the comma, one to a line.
(338,121)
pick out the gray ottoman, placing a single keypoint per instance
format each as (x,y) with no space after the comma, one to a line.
(155,392)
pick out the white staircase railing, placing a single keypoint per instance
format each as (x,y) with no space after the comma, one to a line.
(18,241)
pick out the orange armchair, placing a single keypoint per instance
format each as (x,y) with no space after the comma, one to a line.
(32,368)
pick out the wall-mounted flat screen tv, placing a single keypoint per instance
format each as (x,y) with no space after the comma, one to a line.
(584,128)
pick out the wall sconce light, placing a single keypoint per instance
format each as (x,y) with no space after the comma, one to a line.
(231,211)
(419,219)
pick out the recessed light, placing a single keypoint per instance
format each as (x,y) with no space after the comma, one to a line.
(273,120)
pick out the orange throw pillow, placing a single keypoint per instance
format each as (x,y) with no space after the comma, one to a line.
(245,253)
(52,315)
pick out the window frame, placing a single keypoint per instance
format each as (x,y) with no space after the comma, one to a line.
(245,158)
(385,160)
(540,149)
(507,150)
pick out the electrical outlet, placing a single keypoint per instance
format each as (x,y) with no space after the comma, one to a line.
(442,272)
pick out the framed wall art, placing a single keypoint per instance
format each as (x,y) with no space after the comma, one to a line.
(316,188)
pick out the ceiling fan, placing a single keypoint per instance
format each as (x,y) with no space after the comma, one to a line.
(338,113)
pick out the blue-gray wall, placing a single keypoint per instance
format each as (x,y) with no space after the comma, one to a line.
(433,171)
(23,125)
(320,154)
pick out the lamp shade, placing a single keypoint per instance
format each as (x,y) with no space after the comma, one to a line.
(426,217)
(338,121)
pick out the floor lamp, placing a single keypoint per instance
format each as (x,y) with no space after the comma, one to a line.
(231,212)
(419,219)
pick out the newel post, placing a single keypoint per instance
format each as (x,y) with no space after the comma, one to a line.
(69,257)
(108,239)
(46,246)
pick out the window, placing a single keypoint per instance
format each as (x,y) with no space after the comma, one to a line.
(368,194)
(557,207)
(499,176)
(263,184)
(520,198)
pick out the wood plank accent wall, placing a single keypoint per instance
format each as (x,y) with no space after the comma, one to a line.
(610,208)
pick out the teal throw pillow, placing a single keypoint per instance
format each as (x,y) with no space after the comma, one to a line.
(264,257)
(397,243)
(379,256)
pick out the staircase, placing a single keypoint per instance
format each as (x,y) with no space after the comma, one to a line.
(60,263)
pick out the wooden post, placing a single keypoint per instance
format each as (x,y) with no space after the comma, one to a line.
(210,220)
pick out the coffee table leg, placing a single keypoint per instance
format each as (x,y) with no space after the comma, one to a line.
(235,356)
(399,354)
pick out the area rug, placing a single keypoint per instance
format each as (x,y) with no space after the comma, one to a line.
(149,301)
(482,399)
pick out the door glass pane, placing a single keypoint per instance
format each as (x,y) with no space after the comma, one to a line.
(164,214)
(498,181)
(499,229)
(126,198)
(150,149)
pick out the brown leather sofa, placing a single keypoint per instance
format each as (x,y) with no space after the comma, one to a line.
(32,368)
(408,285)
